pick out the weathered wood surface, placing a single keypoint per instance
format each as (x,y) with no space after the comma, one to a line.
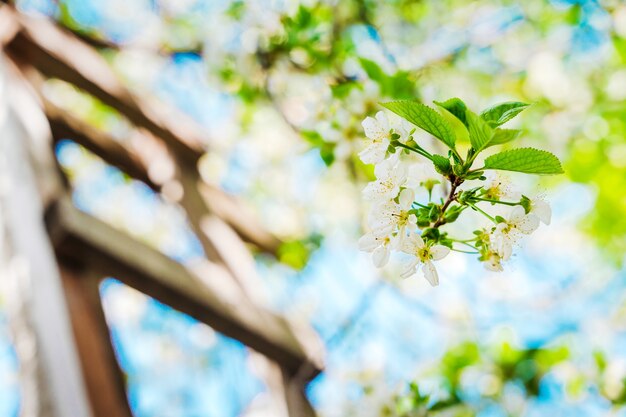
(82,238)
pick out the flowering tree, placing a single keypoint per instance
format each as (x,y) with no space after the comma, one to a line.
(449,185)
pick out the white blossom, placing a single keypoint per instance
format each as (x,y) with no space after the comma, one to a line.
(423,255)
(540,208)
(379,246)
(493,262)
(498,187)
(423,175)
(395,218)
(378,132)
(506,233)
(390,174)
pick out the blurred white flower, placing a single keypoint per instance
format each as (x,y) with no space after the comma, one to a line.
(423,255)
(498,187)
(507,232)
(390,174)
(378,131)
(394,218)
(540,208)
(423,174)
(493,262)
(379,246)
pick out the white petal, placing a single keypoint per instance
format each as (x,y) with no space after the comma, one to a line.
(504,247)
(430,273)
(412,244)
(542,210)
(381,229)
(528,224)
(377,191)
(438,252)
(382,120)
(493,264)
(368,242)
(380,256)
(375,152)
(407,197)
(400,173)
(417,240)
(409,268)
(412,223)
(516,214)
(373,129)
(384,169)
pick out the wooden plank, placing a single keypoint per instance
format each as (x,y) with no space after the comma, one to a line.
(79,236)
(103,377)
(58,53)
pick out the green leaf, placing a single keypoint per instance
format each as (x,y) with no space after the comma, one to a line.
(327,149)
(527,160)
(442,164)
(398,85)
(456,107)
(502,136)
(503,112)
(480,133)
(425,118)
(373,70)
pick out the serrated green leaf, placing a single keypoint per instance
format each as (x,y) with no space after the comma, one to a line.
(527,160)
(442,164)
(425,118)
(456,107)
(503,112)
(502,136)
(480,133)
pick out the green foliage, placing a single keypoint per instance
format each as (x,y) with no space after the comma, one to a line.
(456,107)
(296,253)
(503,363)
(494,243)
(397,86)
(502,113)
(502,136)
(442,164)
(326,148)
(526,160)
(425,118)
(480,133)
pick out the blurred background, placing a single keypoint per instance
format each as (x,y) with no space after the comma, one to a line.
(282,87)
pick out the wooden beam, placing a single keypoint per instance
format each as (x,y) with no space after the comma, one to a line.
(65,126)
(58,53)
(230,209)
(103,377)
(81,237)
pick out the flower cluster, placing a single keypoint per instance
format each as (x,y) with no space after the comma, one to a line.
(416,193)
